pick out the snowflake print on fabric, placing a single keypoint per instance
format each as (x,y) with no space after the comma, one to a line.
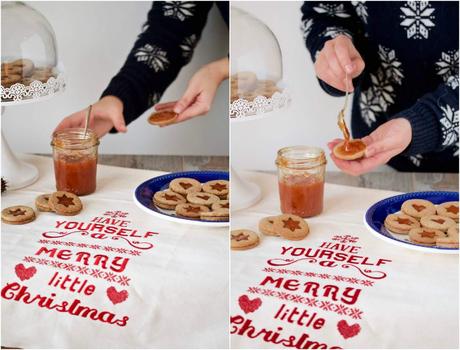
(390,64)
(416,160)
(187,47)
(180,10)
(332,10)
(334,32)
(449,126)
(152,56)
(306,27)
(417,19)
(361,10)
(369,107)
(447,68)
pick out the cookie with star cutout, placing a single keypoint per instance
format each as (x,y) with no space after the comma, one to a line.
(18,215)
(291,227)
(401,223)
(437,222)
(417,208)
(190,211)
(243,239)
(185,185)
(219,188)
(65,203)
(449,210)
(267,226)
(425,236)
(450,240)
(42,202)
(202,198)
(167,199)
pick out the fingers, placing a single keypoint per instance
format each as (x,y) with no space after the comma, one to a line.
(187,99)
(75,120)
(333,61)
(119,123)
(361,166)
(165,106)
(200,107)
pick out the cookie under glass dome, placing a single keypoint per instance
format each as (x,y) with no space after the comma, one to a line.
(256,68)
(29,63)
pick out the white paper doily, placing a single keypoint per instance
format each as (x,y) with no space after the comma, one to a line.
(242,108)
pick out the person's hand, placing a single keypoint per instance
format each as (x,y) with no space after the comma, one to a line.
(385,142)
(339,56)
(198,97)
(105,114)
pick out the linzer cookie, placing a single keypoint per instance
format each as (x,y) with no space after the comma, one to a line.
(184,185)
(163,118)
(42,202)
(450,240)
(418,208)
(222,204)
(191,211)
(18,215)
(349,150)
(168,199)
(65,203)
(202,198)
(243,239)
(448,209)
(215,215)
(267,226)
(218,187)
(401,223)
(437,222)
(425,236)
(291,227)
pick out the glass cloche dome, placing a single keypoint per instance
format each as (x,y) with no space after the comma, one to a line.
(29,62)
(256,68)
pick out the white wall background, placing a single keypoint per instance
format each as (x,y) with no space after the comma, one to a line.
(312,116)
(93,41)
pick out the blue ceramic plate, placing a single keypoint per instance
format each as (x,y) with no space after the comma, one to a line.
(376,214)
(143,195)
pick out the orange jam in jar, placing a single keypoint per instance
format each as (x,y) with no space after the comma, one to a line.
(301,171)
(75,160)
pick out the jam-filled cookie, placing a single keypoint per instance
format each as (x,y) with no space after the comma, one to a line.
(401,223)
(192,211)
(185,185)
(243,239)
(65,203)
(163,118)
(418,208)
(202,198)
(425,236)
(267,226)
(18,215)
(215,215)
(167,199)
(437,222)
(222,204)
(218,187)
(349,150)
(448,209)
(291,227)
(450,240)
(42,202)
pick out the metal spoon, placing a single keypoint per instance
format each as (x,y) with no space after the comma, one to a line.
(341,117)
(88,114)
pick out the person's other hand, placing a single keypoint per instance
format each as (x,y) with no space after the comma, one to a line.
(339,56)
(105,114)
(385,142)
(200,93)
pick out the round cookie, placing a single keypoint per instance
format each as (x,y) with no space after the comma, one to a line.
(450,240)
(267,227)
(42,202)
(243,239)
(18,215)
(448,209)
(25,65)
(418,208)
(163,118)
(425,236)
(291,227)
(401,223)
(437,222)
(218,187)
(202,198)
(65,203)
(215,215)
(222,204)
(167,199)
(185,185)
(10,79)
(192,211)
(357,146)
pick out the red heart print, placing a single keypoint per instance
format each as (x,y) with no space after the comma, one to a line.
(348,331)
(25,273)
(248,305)
(115,296)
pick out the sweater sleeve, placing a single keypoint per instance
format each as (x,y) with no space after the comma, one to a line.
(434,120)
(165,45)
(323,21)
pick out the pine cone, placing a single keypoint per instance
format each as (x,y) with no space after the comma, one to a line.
(4,185)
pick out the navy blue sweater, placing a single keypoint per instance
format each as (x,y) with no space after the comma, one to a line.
(411,54)
(166,44)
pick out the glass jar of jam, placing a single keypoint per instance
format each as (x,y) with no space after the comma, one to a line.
(301,171)
(75,160)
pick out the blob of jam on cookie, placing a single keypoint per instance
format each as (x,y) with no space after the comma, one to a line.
(163,118)
(350,149)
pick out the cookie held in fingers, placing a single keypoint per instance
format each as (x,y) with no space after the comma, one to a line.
(291,227)
(401,223)
(185,185)
(448,209)
(65,203)
(18,215)
(418,208)
(215,215)
(267,226)
(425,236)
(191,211)
(222,204)
(42,202)
(163,118)
(218,187)
(243,239)
(349,150)
(450,240)
(167,199)
(437,222)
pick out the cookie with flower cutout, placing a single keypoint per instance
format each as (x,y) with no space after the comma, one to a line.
(401,223)
(448,209)
(243,239)
(18,215)
(291,227)
(168,199)
(185,185)
(65,203)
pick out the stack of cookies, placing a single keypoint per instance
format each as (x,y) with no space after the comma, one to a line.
(426,224)
(193,200)
(61,203)
(287,226)
(23,71)
(246,85)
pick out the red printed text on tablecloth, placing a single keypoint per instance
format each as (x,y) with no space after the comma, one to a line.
(72,256)
(312,288)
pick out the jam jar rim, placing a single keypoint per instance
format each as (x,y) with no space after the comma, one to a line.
(90,141)
(304,163)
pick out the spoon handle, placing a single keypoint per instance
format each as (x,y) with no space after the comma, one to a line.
(88,114)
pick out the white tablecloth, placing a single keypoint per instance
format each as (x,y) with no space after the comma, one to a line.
(165,285)
(356,290)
